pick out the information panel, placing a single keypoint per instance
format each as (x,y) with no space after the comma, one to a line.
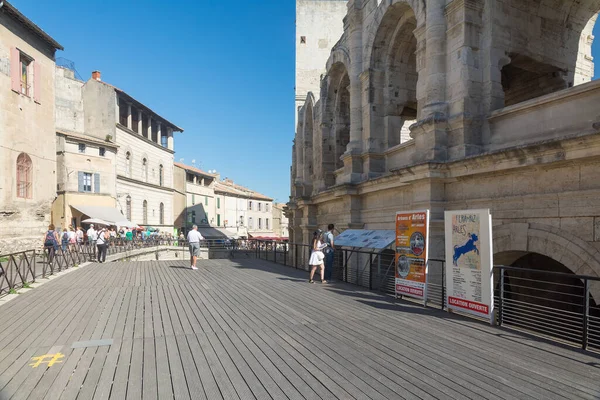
(368,239)
(412,239)
(469,276)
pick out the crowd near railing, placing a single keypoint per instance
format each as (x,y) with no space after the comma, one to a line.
(559,306)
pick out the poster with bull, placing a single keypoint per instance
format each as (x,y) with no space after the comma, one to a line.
(469,264)
(412,239)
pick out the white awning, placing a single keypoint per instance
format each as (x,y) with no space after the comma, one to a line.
(108,214)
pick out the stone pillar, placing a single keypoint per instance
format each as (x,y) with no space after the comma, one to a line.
(430,132)
(170,142)
(373,133)
(149,128)
(463,40)
(353,167)
(159,133)
(129,119)
(140,124)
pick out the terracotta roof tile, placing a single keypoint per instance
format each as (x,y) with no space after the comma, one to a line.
(194,169)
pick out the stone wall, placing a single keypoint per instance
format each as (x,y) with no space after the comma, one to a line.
(498,124)
(28,127)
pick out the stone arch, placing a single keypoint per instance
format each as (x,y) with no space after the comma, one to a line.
(536,68)
(336,122)
(417,6)
(395,61)
(339,55)
(515,240)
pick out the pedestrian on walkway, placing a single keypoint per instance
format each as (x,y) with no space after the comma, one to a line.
(91,234)
(51,242)
(194,237)
(317,256)
(101,242)
(329,251)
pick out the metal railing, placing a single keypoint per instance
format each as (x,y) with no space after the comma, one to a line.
(554,304)
(558,306)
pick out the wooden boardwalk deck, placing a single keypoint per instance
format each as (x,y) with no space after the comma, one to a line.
(245,329)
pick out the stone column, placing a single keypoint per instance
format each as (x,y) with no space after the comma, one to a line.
(465,100)
(149,133)
(430,132)
(140,124)
(159,134)
(353,167)
(129,119)
(170,142)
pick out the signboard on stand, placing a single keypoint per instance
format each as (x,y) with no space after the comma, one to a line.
(412,239)
(469,262)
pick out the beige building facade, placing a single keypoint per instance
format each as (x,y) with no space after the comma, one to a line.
(280,221)
(198,205)
(85,164)
(28,155)
(144,160)
(502,116)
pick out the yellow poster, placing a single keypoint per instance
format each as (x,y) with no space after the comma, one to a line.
(412,230)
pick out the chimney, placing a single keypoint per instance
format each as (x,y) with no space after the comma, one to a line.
(96,75)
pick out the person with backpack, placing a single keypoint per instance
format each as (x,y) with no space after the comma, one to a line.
(51,242)
(102,242)
(64,240)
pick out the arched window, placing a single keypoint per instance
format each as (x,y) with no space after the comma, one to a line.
(161,177)
(128,208)
(161,214)
(145,169)
(24,177)
(128,164)
(145,212)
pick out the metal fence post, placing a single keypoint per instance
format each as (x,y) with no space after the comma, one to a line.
(501,299)
(285,251)
(443,284)
(586,314)
(296,256)
(370,268)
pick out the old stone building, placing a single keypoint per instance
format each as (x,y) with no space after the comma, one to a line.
(496,98)
(85,164)
(198,203)
(27,153)
(144,162)
(280,221)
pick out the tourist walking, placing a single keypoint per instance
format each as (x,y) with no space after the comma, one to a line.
(51,242)
(317,256)
(194,237)
(102,241)
(329,251)
(64,241)
(91,234)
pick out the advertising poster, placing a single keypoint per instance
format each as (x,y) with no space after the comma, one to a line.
(412,238)
(469,262)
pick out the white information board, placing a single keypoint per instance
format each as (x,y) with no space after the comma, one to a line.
(469,262)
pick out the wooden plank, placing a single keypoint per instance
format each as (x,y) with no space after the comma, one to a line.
(225,386)
(180,388)
(163,371)
(134,382)
(150,379)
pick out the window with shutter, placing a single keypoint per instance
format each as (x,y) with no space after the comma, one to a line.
(80,181)
(96,183)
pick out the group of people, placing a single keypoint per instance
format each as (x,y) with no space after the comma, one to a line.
(97,239)
(322,256)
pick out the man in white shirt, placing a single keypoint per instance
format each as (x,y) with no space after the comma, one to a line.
(194,237)
(91,234)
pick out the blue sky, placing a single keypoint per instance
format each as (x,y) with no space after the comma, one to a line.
(222,70)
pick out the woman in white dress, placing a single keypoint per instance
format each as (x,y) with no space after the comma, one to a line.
(317,256)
